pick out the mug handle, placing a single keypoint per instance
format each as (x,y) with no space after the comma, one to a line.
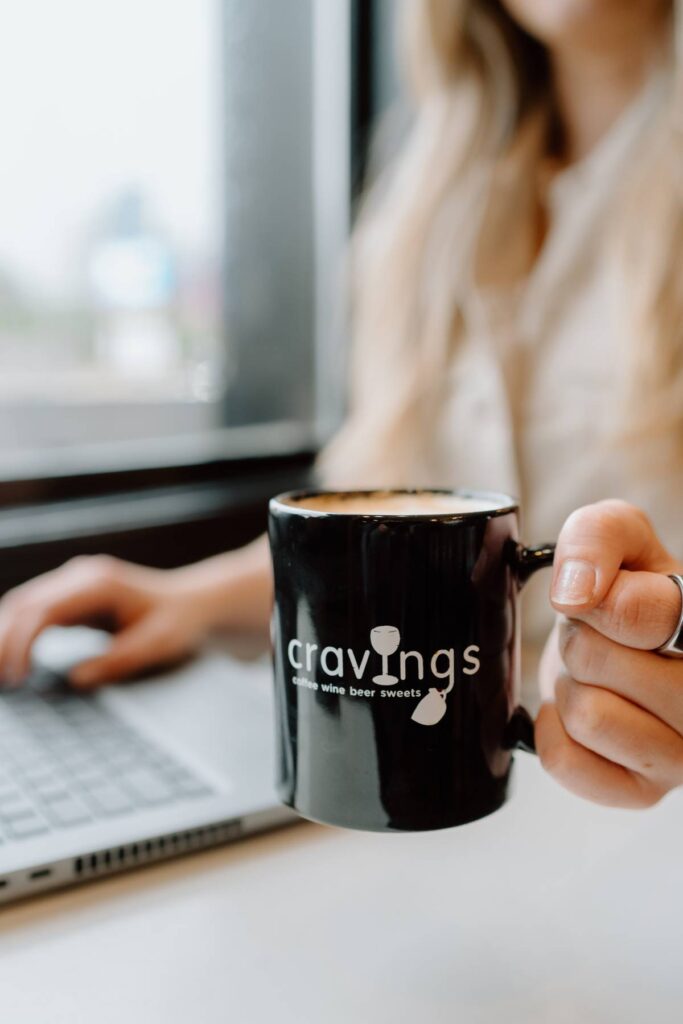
(526,561)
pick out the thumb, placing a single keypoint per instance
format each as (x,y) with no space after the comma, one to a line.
(138,647)
(596,542)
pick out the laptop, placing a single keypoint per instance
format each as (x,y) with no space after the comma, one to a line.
(94,784)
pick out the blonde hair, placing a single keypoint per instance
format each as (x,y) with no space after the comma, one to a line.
(415,246)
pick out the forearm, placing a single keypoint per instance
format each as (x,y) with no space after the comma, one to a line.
(232,591)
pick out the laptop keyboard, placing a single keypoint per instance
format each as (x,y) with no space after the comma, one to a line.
(67,760)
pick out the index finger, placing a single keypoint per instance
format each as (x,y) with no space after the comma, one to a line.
(641,610)
(596,542)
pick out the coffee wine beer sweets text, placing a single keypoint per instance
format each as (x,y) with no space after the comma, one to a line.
(351,691)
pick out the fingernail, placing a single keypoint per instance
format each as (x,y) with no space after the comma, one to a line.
(575,583)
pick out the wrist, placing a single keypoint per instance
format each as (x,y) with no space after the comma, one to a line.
(232,591)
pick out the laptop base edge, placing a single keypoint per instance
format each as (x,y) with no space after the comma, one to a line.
(35,880)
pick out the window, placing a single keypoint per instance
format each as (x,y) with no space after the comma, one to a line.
(169,227)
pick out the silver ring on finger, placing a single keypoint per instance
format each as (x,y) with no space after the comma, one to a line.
(673,648)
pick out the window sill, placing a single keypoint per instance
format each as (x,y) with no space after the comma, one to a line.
(206,508)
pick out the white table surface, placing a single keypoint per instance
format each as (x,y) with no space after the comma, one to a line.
(551,911)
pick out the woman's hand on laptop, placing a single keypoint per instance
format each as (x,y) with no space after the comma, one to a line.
(611,725)
(156,616)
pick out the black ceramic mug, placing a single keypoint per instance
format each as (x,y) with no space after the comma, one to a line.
(396,654)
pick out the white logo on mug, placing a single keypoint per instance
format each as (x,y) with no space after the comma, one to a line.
(385,641)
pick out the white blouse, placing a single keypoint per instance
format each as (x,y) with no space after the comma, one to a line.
(532,387)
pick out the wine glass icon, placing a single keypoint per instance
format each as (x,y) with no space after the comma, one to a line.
(385,641)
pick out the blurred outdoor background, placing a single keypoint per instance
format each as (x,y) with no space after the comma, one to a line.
(176,191)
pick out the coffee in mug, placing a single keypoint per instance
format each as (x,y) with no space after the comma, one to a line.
(378,503)
(396,654)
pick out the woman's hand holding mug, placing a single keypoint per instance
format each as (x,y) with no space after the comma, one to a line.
(611,726)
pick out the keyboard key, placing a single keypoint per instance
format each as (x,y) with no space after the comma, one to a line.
(146,786)
(66,747)
(52,792)
(28,762)
(9,793)
(108,736)
(37,778)
(27,827)
(77,713)
(108,799)
(90,778)
(163,762)
(15,811)
(23,753)
(68,811)
(123,760)
(190,786)
(80,761)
